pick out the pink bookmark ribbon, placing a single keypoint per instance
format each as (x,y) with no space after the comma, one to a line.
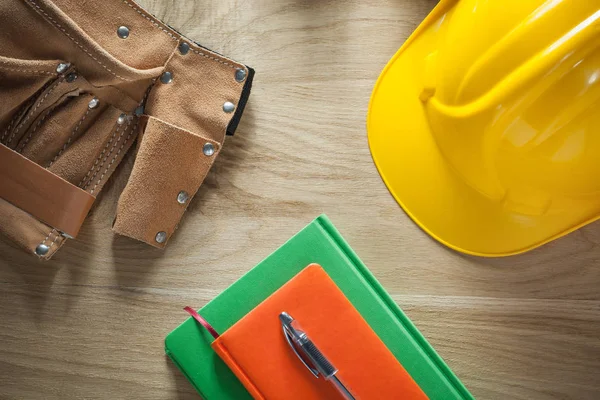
(202,321)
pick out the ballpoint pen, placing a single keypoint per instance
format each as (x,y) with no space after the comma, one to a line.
(301,343)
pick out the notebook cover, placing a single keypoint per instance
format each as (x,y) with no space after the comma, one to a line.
(256,350)
(319,242)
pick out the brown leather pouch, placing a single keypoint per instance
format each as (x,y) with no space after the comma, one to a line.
(79,82)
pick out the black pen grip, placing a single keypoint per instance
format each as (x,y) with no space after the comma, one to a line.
(318,359)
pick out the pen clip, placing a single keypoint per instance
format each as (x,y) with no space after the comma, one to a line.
(290,341)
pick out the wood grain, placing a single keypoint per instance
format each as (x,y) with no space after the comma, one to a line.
(91,322)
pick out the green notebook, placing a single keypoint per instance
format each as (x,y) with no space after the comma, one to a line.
(319,242)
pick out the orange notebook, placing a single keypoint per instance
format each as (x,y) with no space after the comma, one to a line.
(256,350)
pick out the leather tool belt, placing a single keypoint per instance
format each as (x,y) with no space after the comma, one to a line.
(80,82)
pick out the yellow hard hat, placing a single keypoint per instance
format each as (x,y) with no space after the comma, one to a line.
(485,125)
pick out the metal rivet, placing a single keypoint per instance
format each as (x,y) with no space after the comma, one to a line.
(240,75)
(139,111)
(62,67)
(166,77)
(93,103)
(42,249)
(208,149)
(228,107)
(184,48)
(183,197)
(123,32)
(71,77)
(122,118)
(161,237)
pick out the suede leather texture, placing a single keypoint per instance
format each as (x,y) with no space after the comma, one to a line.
(50,116)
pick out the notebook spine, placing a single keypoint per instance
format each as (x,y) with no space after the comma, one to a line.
(219,348)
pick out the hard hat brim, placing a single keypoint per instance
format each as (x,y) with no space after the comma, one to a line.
(417,175)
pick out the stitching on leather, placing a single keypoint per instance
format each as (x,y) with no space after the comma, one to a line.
(52,243)
(34,109)
(106,158)
(203,54)
(11,123)
(23,110)
(116,155)
(141,103)
(73,132)
(55,238)
(28,138)
(87,182)
(63,30)
(46,238)
(151,20)
(34,71)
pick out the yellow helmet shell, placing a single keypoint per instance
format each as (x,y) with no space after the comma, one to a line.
(485,125)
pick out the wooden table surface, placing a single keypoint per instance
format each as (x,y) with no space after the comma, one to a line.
(91,322)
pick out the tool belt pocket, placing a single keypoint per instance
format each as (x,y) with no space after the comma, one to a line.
(21,82)
(167,185)
(57,127)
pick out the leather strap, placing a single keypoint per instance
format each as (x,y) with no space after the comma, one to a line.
(42,194)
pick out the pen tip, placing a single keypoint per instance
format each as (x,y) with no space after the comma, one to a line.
(285,318)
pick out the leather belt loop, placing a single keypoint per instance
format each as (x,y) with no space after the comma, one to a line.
(42,194)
